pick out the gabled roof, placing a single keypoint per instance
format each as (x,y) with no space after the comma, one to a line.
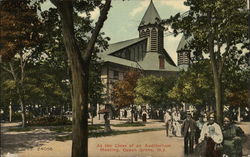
(118,60)
(168,58)
(123,44)
(151,63)
(150,15)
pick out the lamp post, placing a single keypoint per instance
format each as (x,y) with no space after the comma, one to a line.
(10,111)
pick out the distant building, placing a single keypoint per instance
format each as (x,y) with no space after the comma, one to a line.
(145,53)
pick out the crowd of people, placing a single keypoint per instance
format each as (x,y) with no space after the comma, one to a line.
(205,137)
(172,120)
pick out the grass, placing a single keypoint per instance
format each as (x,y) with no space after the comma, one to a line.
(112,133)
(69,128)
(57,129)
(61,129)
(95,127)
(128,124)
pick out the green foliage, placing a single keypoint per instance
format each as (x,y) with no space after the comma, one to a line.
(236,81)
(153,90)
(95,127)
(195,86)
(20,37)
(96,94)
(69,128)
(54,49)
(47,82)
(226,18)
(217,27)
(16,117)
(61,129)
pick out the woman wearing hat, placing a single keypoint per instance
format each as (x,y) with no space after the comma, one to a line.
(199,123)
(232,143)
(211,134)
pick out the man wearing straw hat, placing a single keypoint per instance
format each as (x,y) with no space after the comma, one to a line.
(188,131)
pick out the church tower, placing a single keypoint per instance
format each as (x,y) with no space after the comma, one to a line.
(183,54)
(150,28)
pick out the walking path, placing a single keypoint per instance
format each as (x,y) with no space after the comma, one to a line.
(148,144)
(41,143)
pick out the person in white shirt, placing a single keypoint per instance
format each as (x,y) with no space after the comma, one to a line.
(167,118)
(212,134)
(199,124)
(176,125)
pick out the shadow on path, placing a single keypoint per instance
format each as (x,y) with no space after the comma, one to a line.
(13,142)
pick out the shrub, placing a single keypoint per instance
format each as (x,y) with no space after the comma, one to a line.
(50,121)
(16,117)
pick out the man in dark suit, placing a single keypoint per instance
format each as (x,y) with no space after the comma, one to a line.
(188,131)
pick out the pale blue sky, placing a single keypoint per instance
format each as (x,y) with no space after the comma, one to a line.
(125,16)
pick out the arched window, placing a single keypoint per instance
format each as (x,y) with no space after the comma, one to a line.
(143,34)
(154,40)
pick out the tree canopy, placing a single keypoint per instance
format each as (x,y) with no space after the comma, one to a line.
(216,27)
(123,92)
(154,90)
(20,27)
(195,86)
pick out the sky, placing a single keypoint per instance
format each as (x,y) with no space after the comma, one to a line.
(125,16)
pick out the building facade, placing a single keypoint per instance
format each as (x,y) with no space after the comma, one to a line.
(145,53)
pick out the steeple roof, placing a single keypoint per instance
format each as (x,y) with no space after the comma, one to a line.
(184,42)
(150,15)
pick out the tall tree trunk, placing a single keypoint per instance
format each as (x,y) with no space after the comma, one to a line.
(79,64)
(132,113)
(79,71)
(217,80)
(22,108)
(218,98)
(19,87)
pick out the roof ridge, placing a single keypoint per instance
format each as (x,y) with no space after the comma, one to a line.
(126,40)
